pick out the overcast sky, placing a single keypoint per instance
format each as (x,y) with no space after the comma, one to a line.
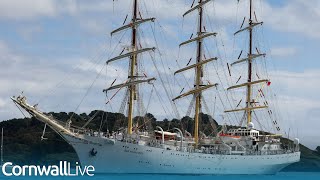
(53,50)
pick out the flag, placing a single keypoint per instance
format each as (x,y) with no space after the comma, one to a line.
(268,83)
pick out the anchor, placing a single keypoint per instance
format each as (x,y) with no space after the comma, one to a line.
(93,152)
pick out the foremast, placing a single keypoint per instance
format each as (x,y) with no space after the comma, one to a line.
(133,64)
(198,66)
(250,57)
(133,76)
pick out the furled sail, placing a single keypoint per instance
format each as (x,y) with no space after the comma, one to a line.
(202,36)
(250,57)
(130,54)
(136,23)
(195,91)
(248,83)
(196,7)
(129,84)
(195,65)
(249,27)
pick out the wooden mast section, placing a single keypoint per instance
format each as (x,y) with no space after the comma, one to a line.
(248,109)
(198,84)
(248,102)
(198,80)
(133,64)
(133,76)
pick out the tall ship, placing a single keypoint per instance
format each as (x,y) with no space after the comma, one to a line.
(241,149)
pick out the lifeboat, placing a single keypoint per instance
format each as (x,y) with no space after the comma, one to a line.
(227,138)
(167,135)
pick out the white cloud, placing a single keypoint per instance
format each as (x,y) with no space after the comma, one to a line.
(6,54)
(51,82)
(2,103)
(26,9)
(298,102)
(29,32)
(283,51)
(296,16)
(33,9)
(93,26)
(302,84)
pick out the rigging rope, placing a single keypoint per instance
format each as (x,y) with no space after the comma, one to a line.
(173,105)
(160,100)
(216,69)
(191,105)
(146,110)
(87,92)
(124,102)
(20,110)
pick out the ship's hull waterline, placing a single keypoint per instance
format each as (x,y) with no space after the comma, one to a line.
(122,157)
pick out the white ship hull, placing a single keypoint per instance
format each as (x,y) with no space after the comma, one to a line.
(112,156)
(122,157)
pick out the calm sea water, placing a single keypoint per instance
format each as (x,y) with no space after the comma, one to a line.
(279,176)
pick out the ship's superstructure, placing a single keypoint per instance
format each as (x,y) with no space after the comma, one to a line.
(241,150)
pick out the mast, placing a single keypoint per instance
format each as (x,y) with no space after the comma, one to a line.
(133,77)
(198,84)
(132,88)
(250,57)
(198,80)
(248,103)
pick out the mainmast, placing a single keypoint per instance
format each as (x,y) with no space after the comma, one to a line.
(250,57)
(198,84)
(248,102)
(198,80)
(133,64)
(133,76)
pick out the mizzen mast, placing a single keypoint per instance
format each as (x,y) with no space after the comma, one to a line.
(198,66)
(133,76)
(248,102)
(250,57)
